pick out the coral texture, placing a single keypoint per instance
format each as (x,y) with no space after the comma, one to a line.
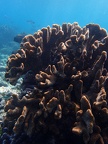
(65,87)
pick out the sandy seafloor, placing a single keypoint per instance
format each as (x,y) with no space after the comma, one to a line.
(6,89)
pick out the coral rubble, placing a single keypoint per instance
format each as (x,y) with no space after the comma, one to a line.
(64,91)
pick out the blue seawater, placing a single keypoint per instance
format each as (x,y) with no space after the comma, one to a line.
(27,16)
(30,15)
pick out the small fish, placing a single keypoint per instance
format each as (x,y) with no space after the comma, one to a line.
(30,22)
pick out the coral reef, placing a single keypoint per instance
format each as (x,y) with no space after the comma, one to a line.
(64,90)
(18,38)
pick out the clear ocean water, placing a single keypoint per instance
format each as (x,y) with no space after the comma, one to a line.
(30,15)
(18,16)
(27,16)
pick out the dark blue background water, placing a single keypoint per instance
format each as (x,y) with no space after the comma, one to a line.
(30,15)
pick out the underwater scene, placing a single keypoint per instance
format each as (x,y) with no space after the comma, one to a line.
(53,72)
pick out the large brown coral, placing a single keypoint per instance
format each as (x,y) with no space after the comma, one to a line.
(70,81)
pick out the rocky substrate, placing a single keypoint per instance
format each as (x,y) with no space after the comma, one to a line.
(6,89)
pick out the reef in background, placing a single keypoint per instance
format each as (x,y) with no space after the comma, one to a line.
(6,89)
(65,87)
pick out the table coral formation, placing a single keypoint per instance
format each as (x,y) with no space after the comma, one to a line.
(65,87)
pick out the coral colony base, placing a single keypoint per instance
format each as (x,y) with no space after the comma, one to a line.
(64,92)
